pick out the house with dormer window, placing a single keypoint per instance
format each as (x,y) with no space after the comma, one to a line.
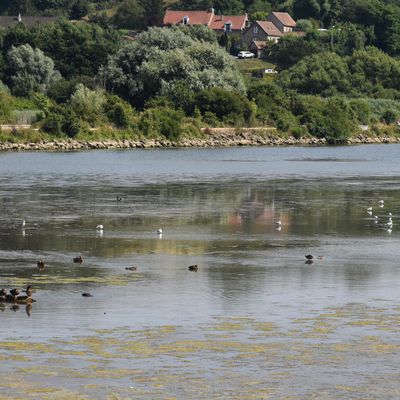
(219,23)
(262,33)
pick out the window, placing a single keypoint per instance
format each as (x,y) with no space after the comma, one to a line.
(228,27)
(186,20)
(255,30)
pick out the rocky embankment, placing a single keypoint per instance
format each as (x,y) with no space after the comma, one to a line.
(216,137)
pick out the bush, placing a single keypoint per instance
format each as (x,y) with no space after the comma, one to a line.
(119,112)
(61,120)
(89,104)
(163,120)
(334,121)
(361,110)
(230,107)
(5,107)
(389,117)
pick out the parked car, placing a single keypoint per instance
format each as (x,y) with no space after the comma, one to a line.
(245,54)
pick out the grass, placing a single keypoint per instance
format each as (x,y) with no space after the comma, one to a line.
(247,66)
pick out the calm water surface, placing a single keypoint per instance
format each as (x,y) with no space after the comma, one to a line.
(254,322)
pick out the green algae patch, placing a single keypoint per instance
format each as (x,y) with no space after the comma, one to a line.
(244,358)
(27,347)
(110,280)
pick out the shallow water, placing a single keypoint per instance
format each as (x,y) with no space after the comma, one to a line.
(255,321)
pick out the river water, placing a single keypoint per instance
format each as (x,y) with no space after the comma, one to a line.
(255,321)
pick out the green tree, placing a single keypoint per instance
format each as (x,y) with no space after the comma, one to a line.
(88,104)
(77,49)
(153,12)
(230,107)
(129,15)
(324,73)
(30,70)
(166,61)
(291,49)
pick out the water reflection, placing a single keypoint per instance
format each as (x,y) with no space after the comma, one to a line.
(222,216)
(217,209)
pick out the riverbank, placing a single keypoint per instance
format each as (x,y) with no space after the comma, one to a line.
(214,137)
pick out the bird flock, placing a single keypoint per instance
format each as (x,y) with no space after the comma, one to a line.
(383,221)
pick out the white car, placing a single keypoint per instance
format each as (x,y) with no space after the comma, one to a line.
(245,54)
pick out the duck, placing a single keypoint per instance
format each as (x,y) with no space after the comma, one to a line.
(28,291)
(13,294)
(119,199)
(369,209)
(23,223)
(131,268)
(320,257)
(159,231)
(78,260)
(87,295)
(278,223)
(381,201)
(40,264)
(193,268)
(309,257)
(99,227)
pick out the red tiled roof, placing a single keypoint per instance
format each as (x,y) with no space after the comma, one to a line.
(238,22)
(285,18)
(269,28)
(175,17)
(258,44)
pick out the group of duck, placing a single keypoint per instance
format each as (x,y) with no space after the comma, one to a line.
(388,224)
(14,296)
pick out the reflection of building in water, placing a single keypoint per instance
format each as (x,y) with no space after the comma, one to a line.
(255,211)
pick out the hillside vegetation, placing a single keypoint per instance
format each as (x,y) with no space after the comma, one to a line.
(70,77)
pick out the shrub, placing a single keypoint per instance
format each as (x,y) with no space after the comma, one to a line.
(88,104)
(119,112)
(61,120)
(230,107)
(389,117)
(5,107)
(163,120)
(361,110)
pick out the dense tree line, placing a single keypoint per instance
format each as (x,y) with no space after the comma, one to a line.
(71,77)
